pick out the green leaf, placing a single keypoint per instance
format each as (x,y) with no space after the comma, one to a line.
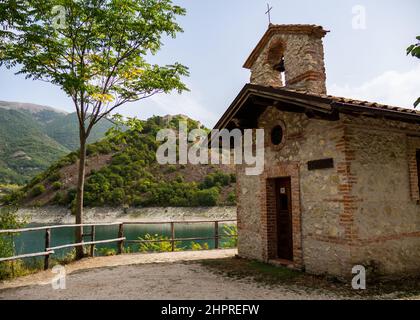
(417,102)
(410,48)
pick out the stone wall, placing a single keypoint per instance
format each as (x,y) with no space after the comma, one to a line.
(387,214)
(318,192)
(359,212)
(303,60)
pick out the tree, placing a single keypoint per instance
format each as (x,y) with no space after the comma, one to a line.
(9,220)
(414,50)
(95,51)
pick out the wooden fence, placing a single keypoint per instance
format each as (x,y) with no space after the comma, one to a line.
(120,237)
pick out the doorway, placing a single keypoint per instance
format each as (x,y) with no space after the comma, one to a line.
(283,196)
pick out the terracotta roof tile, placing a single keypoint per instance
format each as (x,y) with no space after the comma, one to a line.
(362,103)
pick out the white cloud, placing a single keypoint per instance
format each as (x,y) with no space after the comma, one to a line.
(392,87)
(188,103)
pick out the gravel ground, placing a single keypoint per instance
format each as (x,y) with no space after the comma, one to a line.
(176,275)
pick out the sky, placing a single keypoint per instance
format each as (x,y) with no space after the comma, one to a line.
(364,54)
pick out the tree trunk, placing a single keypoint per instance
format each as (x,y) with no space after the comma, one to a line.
(79,195)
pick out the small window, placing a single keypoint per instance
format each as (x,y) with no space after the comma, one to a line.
(277,135)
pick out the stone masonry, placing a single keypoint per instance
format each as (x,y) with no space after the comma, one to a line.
(303,52)
(365,210)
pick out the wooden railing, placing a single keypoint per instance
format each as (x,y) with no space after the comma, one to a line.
(51,250)
(120,238)
(216,237)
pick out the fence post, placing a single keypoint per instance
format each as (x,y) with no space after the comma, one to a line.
(172,236)
(92,237)
(120,235)
(216,234)
(47,245)
(14,253)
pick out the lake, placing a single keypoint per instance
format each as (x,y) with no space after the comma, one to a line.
(34,241)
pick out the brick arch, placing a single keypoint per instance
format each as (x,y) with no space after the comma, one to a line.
(275,51)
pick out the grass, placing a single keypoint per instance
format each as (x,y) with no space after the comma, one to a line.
(274,276)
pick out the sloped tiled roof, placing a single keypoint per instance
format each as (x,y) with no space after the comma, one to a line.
(351,101)
(320,103)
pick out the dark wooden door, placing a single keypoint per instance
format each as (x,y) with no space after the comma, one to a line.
(284,219)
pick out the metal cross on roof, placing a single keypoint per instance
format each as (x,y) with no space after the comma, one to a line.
(269,13)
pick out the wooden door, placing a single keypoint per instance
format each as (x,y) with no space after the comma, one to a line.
(284,219)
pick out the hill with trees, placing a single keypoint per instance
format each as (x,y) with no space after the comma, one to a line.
(122,170)
(32,137)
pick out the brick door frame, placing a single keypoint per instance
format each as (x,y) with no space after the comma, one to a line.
(269,213)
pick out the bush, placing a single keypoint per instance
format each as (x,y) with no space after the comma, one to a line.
(163,246)
(9,220)
(13,198)
(216,179)
(231,198)
(207,197)
(231,231)
(54,176)
(171,169)
(107,252)
(67,258)
(57,185)
(37,190)
(60,198)
(117,196)
(195,246)
(91,150)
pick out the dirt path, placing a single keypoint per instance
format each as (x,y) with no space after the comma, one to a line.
(152,276)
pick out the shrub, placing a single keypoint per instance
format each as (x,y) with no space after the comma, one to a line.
(231,198)
(107,252)
(67,258)
(60,198)
(54,176)
(13,198)
(37,179)
(231,231)
(104,148)
(207,197)
(91,150)
(162,246)
(195,246)
(216,179)
(71,194)
(170,169)
(37,190)
(57,185)
(9,220)
(117,196)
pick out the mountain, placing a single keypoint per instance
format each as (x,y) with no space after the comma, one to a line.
(29,107)
(65,130)
(25,149)
(122,170)
(32,137)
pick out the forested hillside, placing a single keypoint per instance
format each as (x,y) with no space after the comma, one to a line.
(122,171)
(32,137)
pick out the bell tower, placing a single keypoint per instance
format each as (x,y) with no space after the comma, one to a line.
(290,56)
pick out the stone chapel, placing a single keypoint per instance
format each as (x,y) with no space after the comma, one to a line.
(340,185)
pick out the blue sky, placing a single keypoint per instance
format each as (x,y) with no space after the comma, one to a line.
(219,35)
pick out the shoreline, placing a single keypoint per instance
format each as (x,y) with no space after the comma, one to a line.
(62,215)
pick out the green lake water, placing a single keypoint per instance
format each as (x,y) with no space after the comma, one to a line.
(34,241)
